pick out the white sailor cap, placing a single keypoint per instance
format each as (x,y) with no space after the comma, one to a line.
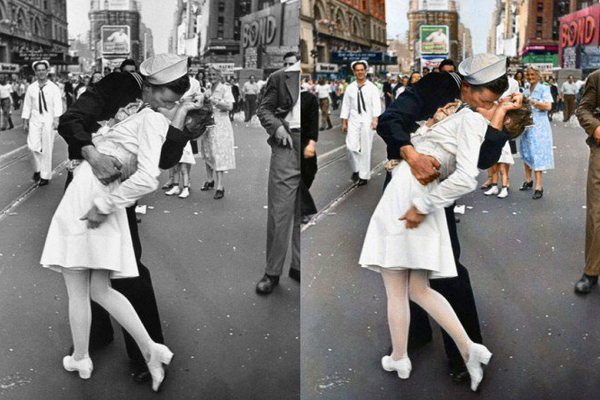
(482,68)
(164,68)
(363,62)
(46,63)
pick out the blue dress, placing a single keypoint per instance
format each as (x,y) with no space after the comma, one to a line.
(536,142)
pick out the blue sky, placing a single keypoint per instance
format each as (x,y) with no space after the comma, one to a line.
(474,14)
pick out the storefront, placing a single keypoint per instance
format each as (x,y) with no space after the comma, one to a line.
(580,40)
(540,54)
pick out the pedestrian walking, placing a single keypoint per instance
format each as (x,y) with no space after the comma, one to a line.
(569,94)
(536,142)
(249,93)
(388,94)
(555,97)
(41,109)
(323,91)
(587,114)
(6,103)
(88,240)
(217,144)
(280,115)
(360,112)
(115,97)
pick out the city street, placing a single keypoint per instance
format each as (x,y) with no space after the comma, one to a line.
(524,257)
(205,257)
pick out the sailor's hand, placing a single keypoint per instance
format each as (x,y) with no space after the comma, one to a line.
(413,218)
(94,218)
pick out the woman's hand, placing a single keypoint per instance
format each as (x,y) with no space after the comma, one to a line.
(94,218)
(413,218)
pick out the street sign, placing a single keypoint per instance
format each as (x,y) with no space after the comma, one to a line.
(115,39)
(434,39)
(349,56)
(327,68)
(26,56)
(543,67)
(9,68)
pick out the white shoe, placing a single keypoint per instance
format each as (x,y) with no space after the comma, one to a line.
(160,358)
(83,366)
(185,192)
(402,366)
(492,191)
(503,193)
(479,356)
(173,191)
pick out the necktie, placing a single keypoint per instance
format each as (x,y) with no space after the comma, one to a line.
(361,98)
(42,101)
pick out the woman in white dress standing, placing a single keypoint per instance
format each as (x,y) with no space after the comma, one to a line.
(89,241)
(217,144)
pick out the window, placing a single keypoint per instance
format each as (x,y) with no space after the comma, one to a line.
(540,7)
(221,7)
(540,21)
(221,20)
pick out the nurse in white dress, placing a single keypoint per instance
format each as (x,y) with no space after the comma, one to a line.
(408,240)
(360,112)
(89,240)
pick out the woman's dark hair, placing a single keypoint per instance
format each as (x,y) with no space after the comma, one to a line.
(520,119)
(178,86)
(497,86)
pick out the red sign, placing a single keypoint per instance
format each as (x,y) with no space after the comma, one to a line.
(580,29)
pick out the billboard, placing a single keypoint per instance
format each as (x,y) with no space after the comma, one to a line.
(116,39)
(580,38)
(435,39)
(118,5)
(433,5)
(262,28)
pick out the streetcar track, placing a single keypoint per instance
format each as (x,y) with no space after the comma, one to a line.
(8,210)
(338,200)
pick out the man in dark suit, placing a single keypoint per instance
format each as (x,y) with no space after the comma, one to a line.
(76,126)
(279,114)
(310,135)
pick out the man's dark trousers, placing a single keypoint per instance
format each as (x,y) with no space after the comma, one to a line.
(250,106)
(459,294)
(138,291)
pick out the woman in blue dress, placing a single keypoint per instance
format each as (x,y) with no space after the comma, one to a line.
(536,142)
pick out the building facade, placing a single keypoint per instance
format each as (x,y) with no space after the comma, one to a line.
(220,31)
(33,30)
(335,32)
(444,14)
(115,27)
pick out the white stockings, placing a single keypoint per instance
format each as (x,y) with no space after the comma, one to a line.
(414,285)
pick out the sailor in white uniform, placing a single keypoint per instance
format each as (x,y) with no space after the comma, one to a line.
(41,109)
(360,111)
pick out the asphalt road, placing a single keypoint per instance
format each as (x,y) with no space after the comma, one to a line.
(205,257)
(524,257)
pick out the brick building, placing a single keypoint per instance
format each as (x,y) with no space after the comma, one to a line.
(33,30)
(539,28)
(449,17)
